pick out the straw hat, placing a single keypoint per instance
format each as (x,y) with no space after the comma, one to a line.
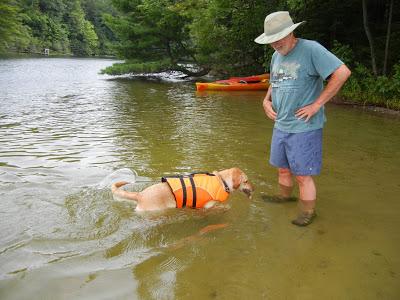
(276,26)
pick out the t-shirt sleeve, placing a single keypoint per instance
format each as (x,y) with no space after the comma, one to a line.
(272,62)
(325,62)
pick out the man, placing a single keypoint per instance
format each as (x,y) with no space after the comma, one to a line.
(295,102)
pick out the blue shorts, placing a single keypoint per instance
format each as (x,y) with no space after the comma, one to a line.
(299,152)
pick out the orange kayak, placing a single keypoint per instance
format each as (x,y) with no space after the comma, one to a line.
(248,79)
(234,86)
(256,82)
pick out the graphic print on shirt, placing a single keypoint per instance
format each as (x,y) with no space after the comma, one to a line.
(283,72)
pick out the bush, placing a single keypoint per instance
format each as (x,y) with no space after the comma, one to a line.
(134,67)
(365,88)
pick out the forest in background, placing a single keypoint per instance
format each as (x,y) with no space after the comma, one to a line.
(65,27)
(200,37)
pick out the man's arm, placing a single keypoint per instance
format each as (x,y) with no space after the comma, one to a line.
(267,105)
(338,78)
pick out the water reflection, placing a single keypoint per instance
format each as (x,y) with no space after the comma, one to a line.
(64,129)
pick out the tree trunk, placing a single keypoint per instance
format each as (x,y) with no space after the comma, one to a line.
(388,37)
(200,72)
(369,36)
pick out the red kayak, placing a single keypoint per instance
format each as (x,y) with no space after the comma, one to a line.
(248,79)
(255,82)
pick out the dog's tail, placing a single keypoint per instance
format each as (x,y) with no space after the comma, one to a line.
(117,192)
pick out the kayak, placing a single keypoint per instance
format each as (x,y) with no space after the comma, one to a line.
(248,79)
(250,83)
(232,86)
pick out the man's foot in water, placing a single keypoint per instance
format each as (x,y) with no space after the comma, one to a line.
(304,218)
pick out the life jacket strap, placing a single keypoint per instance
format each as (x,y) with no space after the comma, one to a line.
(185,198)
(184,191)
(194,198)
(225,186)
(201,173)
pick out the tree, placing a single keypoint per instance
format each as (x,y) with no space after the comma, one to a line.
(369,36)
(82,36)
(219,35)
(61,25)
(11,27)
(94,12)
(389,26)
(207,34)
(223,32)
(154,35)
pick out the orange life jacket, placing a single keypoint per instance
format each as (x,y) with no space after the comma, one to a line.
(195,190)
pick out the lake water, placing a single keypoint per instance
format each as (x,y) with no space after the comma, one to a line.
(64,129)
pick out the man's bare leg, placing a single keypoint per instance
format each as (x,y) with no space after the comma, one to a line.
(308,196)
(285,182)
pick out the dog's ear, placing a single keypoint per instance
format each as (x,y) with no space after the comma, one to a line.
(237,177)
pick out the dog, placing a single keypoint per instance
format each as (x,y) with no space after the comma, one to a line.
(188,190)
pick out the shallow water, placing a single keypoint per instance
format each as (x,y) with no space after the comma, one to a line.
(64,129)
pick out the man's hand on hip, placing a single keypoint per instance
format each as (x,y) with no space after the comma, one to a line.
(307,111)
(269,111)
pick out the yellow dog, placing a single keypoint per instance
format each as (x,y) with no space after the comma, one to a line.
(202,190)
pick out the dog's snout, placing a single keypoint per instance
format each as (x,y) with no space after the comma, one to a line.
(247,192)
(248,189)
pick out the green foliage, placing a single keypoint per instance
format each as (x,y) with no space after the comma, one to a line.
(82,36)
(296,4)
(137,67)
(344,52)
(224,32)
(63,26)
(95,11)
(363,87)
(216,35)
(212,34)
(11,27)
(46,33)
(153,31)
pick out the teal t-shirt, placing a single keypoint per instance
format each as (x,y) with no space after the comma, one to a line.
(297,80)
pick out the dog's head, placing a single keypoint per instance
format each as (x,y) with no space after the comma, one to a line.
(236,179)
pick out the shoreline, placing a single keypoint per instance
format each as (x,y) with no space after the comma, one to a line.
(377,109)
(337,100)
(52,55)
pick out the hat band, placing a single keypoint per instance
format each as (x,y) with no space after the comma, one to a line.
(272,31)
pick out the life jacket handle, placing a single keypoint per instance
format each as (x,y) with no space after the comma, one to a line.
(164,178)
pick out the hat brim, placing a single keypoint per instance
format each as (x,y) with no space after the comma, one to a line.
(268,39)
